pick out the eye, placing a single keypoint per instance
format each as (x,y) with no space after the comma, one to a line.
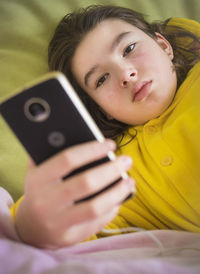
(128,49)
(101,80)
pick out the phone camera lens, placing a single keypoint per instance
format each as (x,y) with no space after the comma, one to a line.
(36,109)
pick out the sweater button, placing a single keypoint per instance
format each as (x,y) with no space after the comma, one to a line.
(167,160)
(151,129)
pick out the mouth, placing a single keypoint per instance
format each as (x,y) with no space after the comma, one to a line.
(141,91)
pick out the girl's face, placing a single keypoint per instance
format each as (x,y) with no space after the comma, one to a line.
(129,74)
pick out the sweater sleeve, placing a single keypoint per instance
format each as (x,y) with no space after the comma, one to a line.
(14,208)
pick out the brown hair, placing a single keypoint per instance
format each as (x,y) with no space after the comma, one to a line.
(73,28)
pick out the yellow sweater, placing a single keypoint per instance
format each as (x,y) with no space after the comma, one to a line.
(166,156)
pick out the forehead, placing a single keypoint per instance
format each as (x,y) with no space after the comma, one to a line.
(108,30)
(113,25)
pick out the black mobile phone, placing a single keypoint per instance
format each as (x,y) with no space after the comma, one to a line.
(47,116)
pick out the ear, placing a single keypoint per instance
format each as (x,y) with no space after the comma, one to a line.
(165,45)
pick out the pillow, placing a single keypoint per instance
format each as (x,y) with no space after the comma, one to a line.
(26,28)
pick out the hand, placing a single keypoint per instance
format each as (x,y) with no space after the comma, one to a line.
(48,217)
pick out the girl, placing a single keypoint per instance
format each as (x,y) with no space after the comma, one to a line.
(140,82)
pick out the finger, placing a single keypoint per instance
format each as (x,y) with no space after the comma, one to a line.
(85,184)
(112,197)
(96,207)
(31,164)
(85,230)
(69,159)
(93,180)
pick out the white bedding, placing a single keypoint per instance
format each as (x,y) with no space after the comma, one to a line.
(129,253)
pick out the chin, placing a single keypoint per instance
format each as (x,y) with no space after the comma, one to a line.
(149,118)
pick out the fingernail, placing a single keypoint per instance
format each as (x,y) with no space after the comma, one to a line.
(131,183)
(125,161)
(110,144)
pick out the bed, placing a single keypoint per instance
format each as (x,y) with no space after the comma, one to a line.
(26,27)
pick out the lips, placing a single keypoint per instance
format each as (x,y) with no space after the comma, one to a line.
(141,90)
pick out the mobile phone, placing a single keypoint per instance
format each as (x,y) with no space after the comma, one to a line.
(48,116)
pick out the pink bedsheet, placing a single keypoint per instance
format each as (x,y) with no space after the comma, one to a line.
(128,253)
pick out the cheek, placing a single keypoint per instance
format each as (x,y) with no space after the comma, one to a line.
(153,59)
(143,61)
(104,98)
(107,98)
(144,55)
(108,92)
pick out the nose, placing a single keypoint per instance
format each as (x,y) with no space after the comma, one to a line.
(127,77)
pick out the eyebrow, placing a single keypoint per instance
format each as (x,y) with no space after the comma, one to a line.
(118,39)
(88,74)
(115,43)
